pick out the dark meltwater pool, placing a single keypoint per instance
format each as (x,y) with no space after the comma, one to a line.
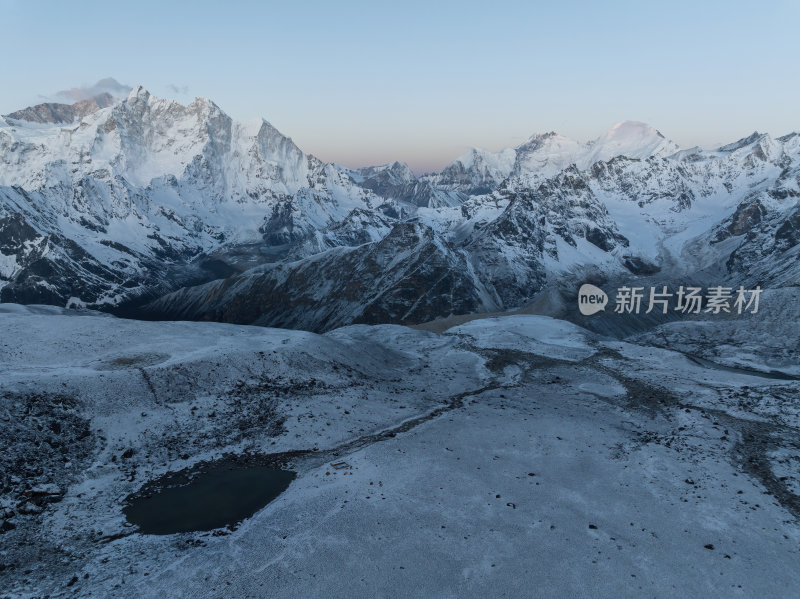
(216,496)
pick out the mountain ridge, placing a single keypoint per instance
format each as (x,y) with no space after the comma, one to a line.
(146,197)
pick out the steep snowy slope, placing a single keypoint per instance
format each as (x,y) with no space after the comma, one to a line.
(546,154)
(631,139)
(689,211)
(146,186)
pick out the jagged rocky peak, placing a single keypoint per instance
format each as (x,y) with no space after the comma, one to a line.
(200,142)
(142,105)
(790,143)
(396,181)
(538,141)
(274,147)
(757,147)
(476,172)
(741,143)
(397,172)
(546,154)
(154,137)
(693,154)
(477,157)
(268,132)
(64,114)
(485,164)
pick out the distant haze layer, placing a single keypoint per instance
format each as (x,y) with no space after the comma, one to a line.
(367,83)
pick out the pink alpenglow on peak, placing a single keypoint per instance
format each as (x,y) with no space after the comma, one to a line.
(632,139)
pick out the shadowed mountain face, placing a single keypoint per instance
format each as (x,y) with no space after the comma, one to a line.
(181,212)
(407,277)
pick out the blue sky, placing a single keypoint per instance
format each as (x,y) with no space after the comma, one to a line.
(368,82)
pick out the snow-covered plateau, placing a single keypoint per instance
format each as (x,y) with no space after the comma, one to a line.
(517,456)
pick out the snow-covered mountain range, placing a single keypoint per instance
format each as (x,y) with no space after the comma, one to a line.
(180,211)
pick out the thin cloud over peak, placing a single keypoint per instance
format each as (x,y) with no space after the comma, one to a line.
(109,85)
(178,89)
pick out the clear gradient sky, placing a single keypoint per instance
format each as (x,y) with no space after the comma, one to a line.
(369,82)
